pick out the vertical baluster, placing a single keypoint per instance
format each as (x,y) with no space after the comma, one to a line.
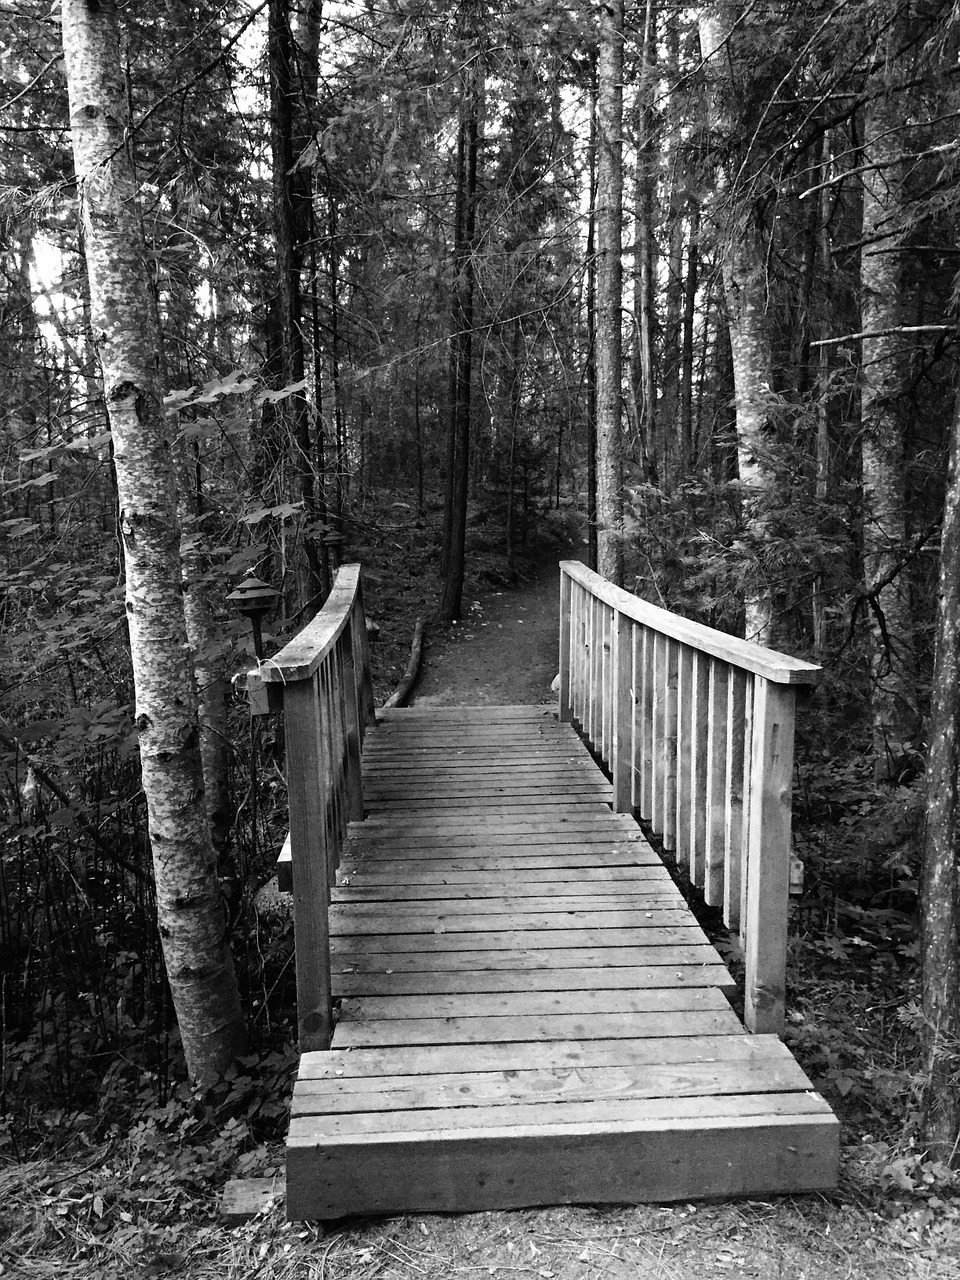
(340,723)
(685,750)
(596,665)
(331,790)
(698,767)
(658,734)
(648,646)
(748,751)
(354,722)
(566,701)
(583,654)
(716,780)
(368,710)
(768,866)
(670,747)
(306,774)
(636,715)
(733,817)
(607,682)
(621,729)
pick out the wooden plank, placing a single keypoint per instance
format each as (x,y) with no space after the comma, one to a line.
(451,904)
(569,1002)
(507,858)
(598,978)
(657,1160)
(739,653)
(350,921)
(421,876)
(510,955)
(534,894)
(490,1030)
(768,867)
(564,1054)
(626,1113)
(493,940)
(303,655)
(456,1090)
(246,1198)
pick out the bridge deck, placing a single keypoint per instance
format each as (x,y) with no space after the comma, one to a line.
(530,1013)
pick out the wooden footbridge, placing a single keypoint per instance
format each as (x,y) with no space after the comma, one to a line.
(503,998)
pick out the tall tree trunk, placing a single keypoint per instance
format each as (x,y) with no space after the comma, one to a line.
(744,281)
(292,197)
(124,318)
(590,368)
(688,457)
(940,891)
(452,597)
(884,514)
(609,293)
(645,258)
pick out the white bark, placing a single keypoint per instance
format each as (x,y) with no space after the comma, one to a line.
(127,340)
(609,216)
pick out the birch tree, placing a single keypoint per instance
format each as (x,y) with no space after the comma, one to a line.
(940,889)
(126,337)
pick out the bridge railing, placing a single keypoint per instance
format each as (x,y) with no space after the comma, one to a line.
(324,675)
(696,728)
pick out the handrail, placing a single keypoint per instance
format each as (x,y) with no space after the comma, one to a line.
(324,674)
(697,730)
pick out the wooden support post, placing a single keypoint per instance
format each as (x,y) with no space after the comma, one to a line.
(768,861)
(698,768)
(621,675)
(354,715)
(685,752)
(646,723)
(566,629)
(733,787)
(670,747)
(716,780)
(361,641)
(306,792)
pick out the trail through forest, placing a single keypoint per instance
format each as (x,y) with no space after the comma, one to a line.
(505,651)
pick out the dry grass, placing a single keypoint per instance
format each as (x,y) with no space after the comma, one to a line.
(56,1221)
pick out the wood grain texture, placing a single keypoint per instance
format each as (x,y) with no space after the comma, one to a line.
(528,1011)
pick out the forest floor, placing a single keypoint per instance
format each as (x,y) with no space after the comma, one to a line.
(141,1201)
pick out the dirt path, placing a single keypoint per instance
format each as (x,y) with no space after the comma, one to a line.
(504,652)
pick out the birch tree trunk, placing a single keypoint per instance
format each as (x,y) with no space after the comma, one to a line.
(609,292)
(744,284)
(127,340)
(940,889)
(884,515)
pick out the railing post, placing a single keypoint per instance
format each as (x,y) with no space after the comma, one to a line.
(306,791)
(768,855)
(566,624)
(353,726)
(368,710)
(621,765)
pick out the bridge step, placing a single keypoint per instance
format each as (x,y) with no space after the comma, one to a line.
(529,1012)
